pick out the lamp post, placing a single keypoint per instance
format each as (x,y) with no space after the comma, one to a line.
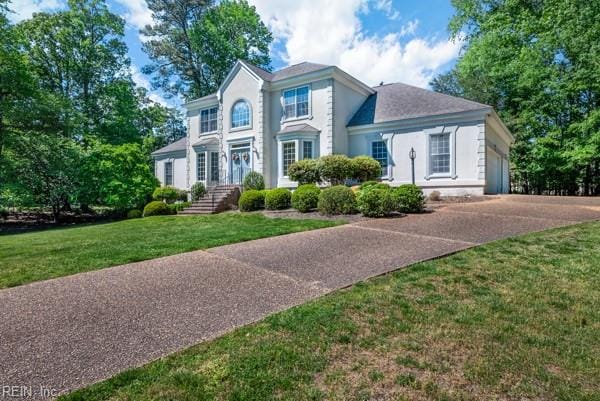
(413,155)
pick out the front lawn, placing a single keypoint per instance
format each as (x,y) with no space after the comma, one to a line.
(59,252)
(512,320)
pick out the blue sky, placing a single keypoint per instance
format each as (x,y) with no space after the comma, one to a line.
(374,40)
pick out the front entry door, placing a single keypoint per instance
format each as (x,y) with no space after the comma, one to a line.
(241,163)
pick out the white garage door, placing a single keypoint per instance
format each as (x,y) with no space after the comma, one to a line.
(493,172)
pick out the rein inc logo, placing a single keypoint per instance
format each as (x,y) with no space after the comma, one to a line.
(15,391)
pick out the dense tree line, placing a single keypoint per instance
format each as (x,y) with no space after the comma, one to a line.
(536,62)
(74,127)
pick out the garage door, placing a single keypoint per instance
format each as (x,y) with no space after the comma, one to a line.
(493,172)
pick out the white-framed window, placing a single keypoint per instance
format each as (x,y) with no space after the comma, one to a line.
(240,114)
(201,166)
(307,150)
(296,102)
(288,154)
(168,173)
(380,153)
(439,153)
(208,120)
(214,166)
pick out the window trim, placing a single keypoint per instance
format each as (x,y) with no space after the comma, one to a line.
(282,143)
(208,109)
(308,116)
(387,142)
(172,173)
(241,127)
(203,153)
(312,148)
(214,170)
(451,131)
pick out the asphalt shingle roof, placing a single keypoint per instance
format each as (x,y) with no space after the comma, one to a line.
(393,102)
(287,72)
(173,147)
(298,128)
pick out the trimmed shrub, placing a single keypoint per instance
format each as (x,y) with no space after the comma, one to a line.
(338,199)
(182,195)
(156,208)
(376,185)
(368,184)
(376,202)
(165,194)
(198,191)
(277,199)
(251,200)
(409,198)
(365,168)
(178,207)
(305,198)
(335,168)
(134,214)
(305,171)
(254,181)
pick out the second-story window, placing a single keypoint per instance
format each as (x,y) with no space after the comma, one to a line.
(295,102)
(208,120)
(240,114)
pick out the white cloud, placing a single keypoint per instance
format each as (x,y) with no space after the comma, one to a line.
(388,8)
(24,9)
(142,80)
(409,28)
(138,15)
(332,34)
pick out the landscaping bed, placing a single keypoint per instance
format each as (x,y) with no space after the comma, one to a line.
(294,214)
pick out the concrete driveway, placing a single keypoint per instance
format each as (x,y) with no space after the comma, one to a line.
(66,333)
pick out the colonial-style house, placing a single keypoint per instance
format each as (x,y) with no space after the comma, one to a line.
(264,121)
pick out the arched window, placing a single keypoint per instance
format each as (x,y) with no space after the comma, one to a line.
(240,114)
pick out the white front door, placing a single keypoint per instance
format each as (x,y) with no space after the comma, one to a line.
(240,162)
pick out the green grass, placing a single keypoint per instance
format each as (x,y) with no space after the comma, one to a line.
(60,252)
(511,320)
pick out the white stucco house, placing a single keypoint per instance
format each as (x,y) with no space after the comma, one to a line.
(264,121)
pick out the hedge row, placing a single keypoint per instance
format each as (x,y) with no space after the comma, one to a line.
(334,169)
(372,200)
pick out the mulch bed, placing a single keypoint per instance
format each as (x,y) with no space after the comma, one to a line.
(20,222)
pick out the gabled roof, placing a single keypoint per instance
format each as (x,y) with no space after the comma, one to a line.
(298,128)
(393,102)
(287,72)
(176,146)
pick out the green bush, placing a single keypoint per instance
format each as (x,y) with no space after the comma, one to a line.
(376,202)
(338,199)
(374,185)
(305,197)
(156,208)
(134,214)
(367,184)
(305,171)
(335,168)
(178,207)
(198,191)
(251,200)
(254,181)
(277,199)
(365,168)
(166,194)
(409,198)
(182,195)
